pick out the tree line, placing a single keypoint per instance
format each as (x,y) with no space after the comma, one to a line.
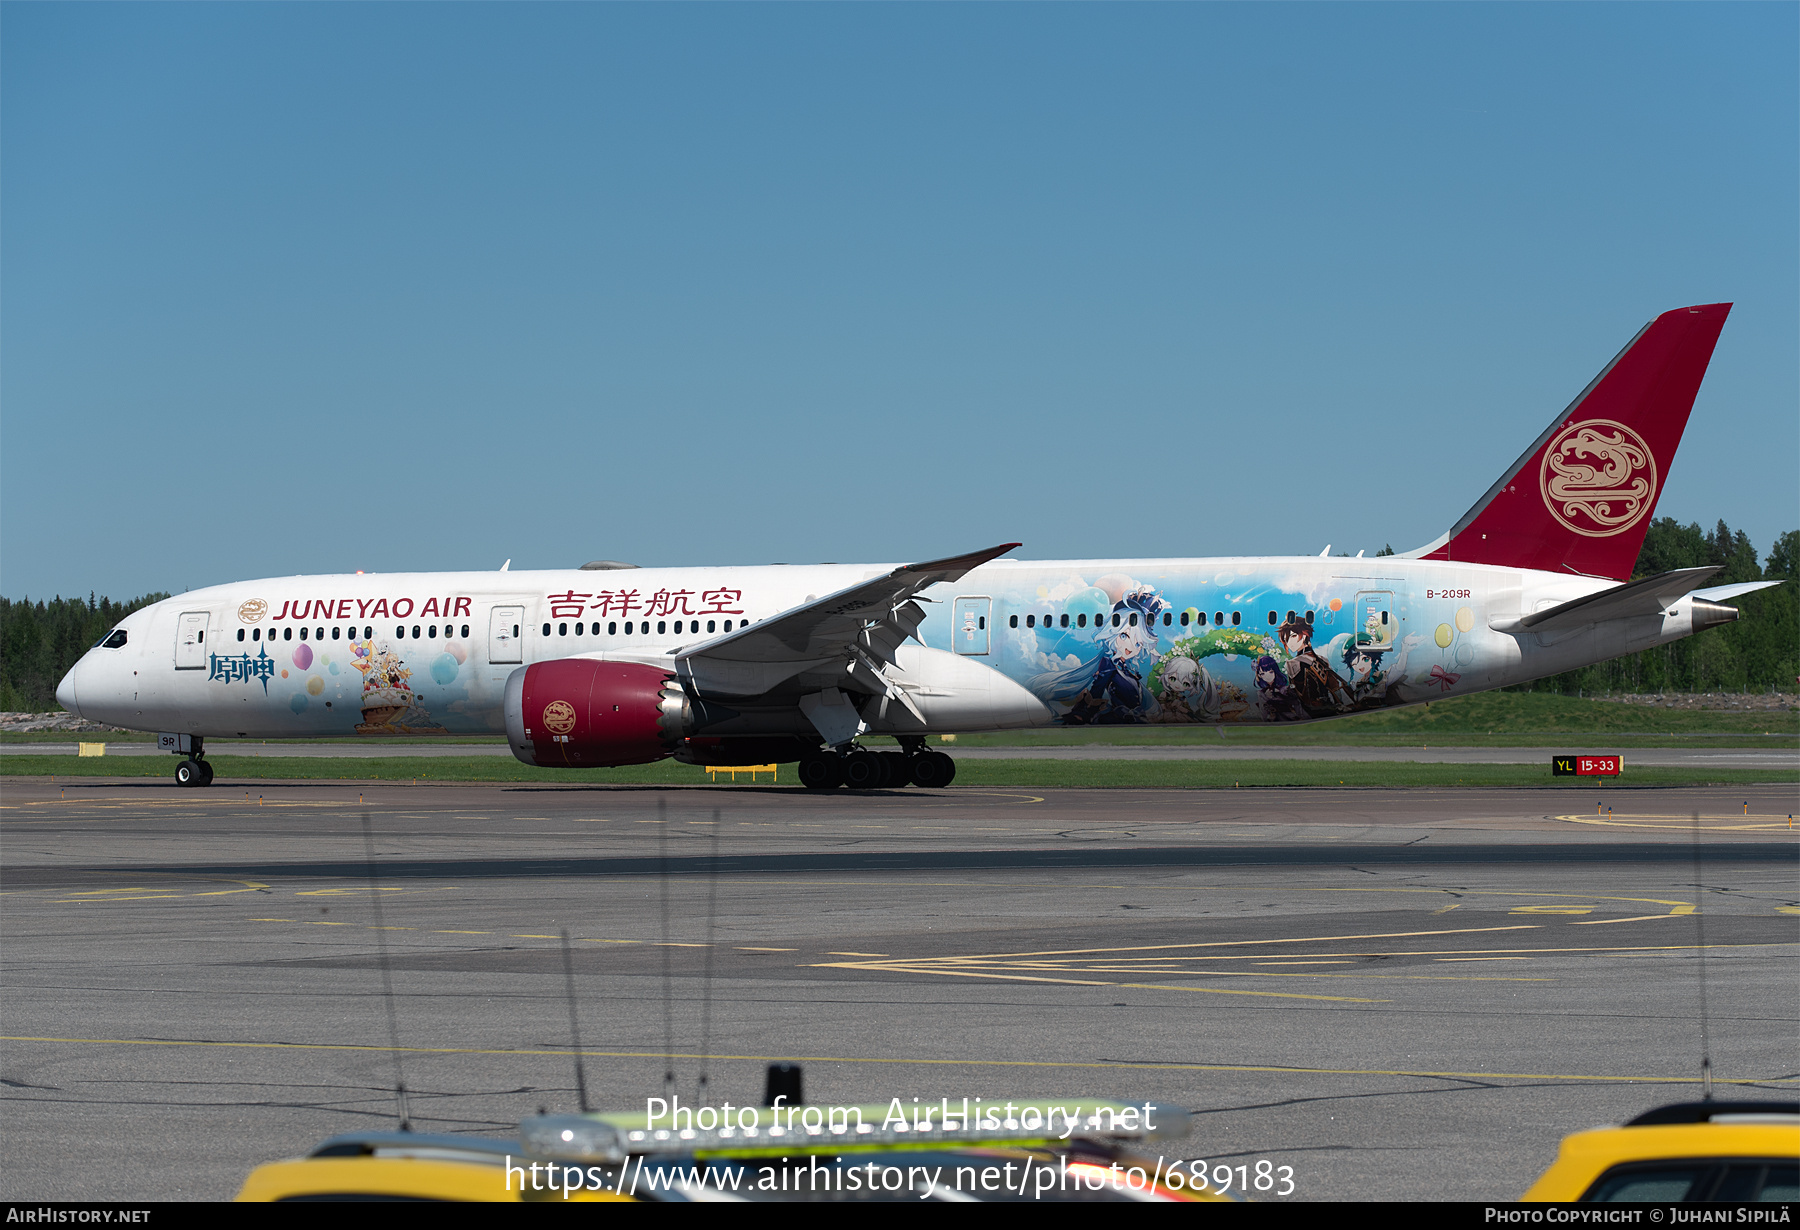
(1758,653)
(40,641)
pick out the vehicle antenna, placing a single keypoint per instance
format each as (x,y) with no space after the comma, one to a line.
(662,874)
(712,898)
(1700,943)
(387,980)
(574,1024)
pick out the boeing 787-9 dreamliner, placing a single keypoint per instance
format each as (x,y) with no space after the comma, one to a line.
(612,664)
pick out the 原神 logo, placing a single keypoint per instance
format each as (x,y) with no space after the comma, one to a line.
(1598,478)
(559,717)
(252,610)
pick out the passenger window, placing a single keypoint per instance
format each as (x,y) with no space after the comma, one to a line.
(369,633)
(1184,619)
(240,635)
(465,631)
(318,634)
(431,632)
(1237,617)
(1169,619)
(1116,619)
(1065,621)
(562,629)
(1133,619)
(578,628)
(1271,619)
(1309,617)
(982,623)
(303,634)
(515,632)
(546,629)
(287,634)
(660,628)
(1030,621)
(415,632)
(256,634)
(728,625)
(712,625)
(612,629)
(200,635)
(628,627)
(335,632)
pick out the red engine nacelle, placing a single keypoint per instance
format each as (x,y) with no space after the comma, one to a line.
(581,713)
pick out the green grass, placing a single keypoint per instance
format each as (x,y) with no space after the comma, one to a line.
(1489,719)
(1010,773)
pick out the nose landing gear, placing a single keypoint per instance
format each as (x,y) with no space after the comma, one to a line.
(194,771)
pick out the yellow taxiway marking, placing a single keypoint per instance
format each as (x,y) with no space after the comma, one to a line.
(754,948)
(896,967)
(1298,939)
(659,1056)
(856,954)
(1738,823)
(92,896)
(1599,922)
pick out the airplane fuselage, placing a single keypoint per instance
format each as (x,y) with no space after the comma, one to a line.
(1080,642)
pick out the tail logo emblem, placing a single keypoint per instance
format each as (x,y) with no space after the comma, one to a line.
(559,717)
(1598,478)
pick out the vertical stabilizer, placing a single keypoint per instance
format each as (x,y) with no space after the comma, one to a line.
(1581,498)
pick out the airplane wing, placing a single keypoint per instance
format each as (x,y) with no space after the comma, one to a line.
(1650,596)
(860,626)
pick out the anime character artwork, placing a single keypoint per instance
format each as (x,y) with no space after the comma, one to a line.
(1117,651)
(1276,696)
(389,706)
(1321,692)
(1373,683)
(1116,694)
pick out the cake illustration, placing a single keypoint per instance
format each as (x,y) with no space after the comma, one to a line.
(389,705)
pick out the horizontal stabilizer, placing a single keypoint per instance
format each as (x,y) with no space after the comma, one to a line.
(1650,596)
(1725,593)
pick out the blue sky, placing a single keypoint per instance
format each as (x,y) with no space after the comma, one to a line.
(313,288)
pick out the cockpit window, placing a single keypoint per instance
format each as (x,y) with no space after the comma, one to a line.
(112,640)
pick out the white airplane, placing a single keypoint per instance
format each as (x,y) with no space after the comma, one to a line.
(612,664)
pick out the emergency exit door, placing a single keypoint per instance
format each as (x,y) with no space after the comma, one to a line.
(506,642)
(190,641)
(969,631)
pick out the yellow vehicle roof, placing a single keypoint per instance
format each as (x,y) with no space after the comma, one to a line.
(1701,1131)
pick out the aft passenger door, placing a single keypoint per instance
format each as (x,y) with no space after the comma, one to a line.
(190,641)
(969,630)
(506,641)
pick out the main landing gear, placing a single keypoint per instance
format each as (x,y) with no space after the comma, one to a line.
(861,769)
(194,771)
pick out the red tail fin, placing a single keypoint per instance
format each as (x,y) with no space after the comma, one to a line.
(1581,498)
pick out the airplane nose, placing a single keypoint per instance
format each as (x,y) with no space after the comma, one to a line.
(65,691)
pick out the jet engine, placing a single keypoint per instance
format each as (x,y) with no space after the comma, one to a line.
(585,713)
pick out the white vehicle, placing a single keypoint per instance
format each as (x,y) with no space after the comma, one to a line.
(612,664)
